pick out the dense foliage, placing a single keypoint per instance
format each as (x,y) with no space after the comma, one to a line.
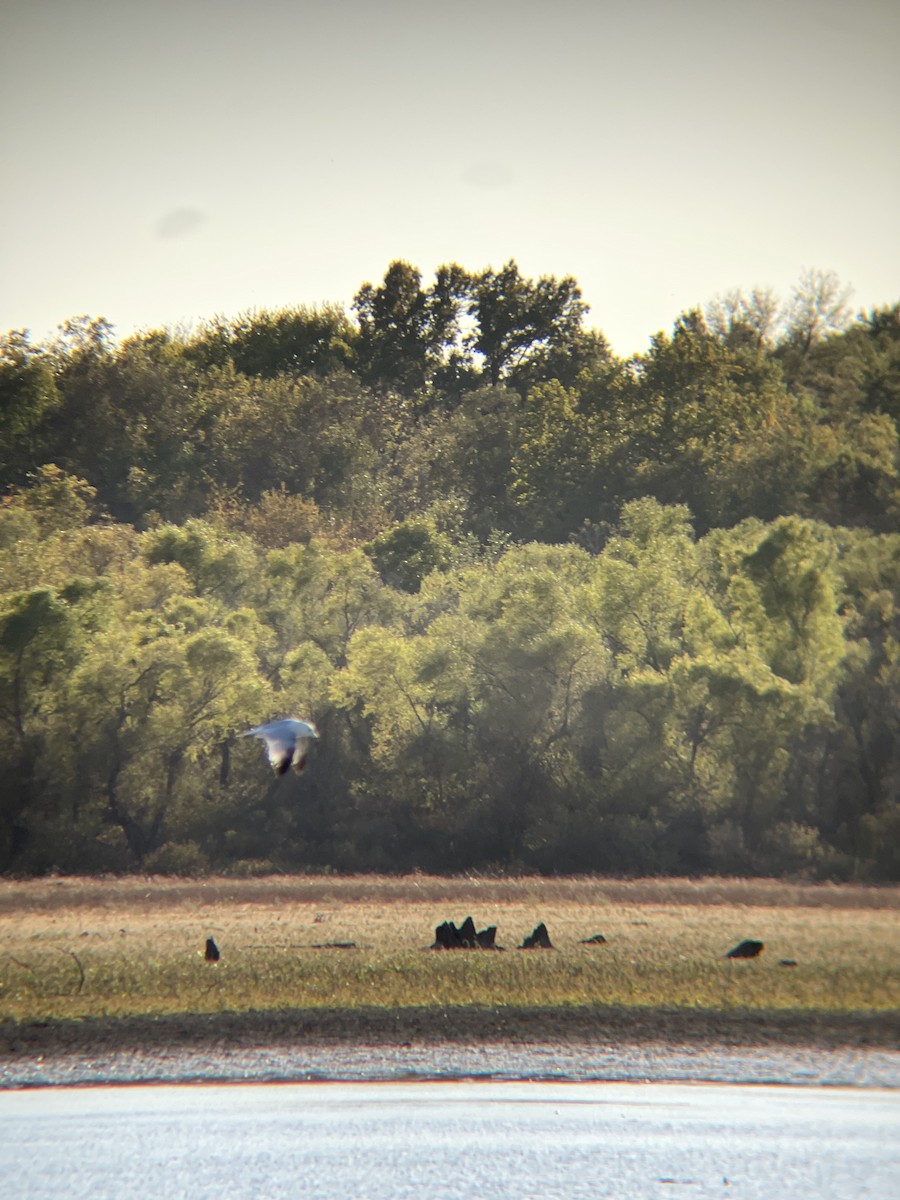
(551,609)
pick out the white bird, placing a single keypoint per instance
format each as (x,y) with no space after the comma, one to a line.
(287,741)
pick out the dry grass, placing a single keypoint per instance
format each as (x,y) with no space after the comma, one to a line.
(77,948)
(160,891)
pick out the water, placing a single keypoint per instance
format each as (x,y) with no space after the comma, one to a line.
(484,1140)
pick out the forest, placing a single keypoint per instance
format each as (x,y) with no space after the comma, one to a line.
(552,610)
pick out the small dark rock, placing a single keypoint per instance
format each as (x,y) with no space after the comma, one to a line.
(787,962)
(597,940)
(334,945)
(212,953)
(745,949)
(539,939)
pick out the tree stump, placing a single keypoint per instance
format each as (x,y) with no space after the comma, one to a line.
(448,937)
(745,949)
(538,939)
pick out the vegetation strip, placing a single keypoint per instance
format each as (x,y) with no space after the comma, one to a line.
(143,949)
(465,1024)
(550,609)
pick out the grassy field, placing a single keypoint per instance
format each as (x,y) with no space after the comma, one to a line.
(133,947)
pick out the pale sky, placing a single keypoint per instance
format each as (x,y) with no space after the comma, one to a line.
(168,160)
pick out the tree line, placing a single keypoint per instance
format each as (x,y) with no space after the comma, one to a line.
(552,609)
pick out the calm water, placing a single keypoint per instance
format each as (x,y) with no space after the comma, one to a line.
(472,1140)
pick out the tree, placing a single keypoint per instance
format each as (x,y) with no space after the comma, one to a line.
(643,585)
(407,691)
(55,499)
(741,320)
(857,370)
(786,595)
(523,657)
(37,638)
(321,439)
(219,565)
(818,307)
(408,552)
(28,396)
(516,318)
(91,431)
(148,705)
(165,420)
(859,794)
(265,343)
(311,594)
(461,459)
(406,332)
(553,464)
(279,519)
(694,402)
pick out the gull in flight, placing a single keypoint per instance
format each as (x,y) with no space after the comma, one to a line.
(287,742)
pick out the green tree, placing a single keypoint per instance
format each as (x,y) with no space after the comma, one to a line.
(165,420)
(406,332)
(408,552)
(28,397)
(56,500)
(860,790)
(786,594)
(90,432)
(517,318)
(694,403)
(37,639)
(461,458)
(317,596)
(323,440)
(150,705)
(552,466)
(291,341)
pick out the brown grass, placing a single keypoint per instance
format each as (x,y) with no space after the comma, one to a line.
(131,949)
(157,892)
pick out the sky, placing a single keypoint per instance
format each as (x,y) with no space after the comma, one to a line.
(170,160)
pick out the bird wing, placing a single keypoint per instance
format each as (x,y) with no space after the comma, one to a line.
(288,728)
(303,729)
(287,741)
(300,754)
(279,748)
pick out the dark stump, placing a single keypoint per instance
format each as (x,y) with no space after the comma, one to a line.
(448,937)
(539,939)
(745,949)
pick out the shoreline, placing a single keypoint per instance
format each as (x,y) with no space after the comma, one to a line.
(463,1025)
